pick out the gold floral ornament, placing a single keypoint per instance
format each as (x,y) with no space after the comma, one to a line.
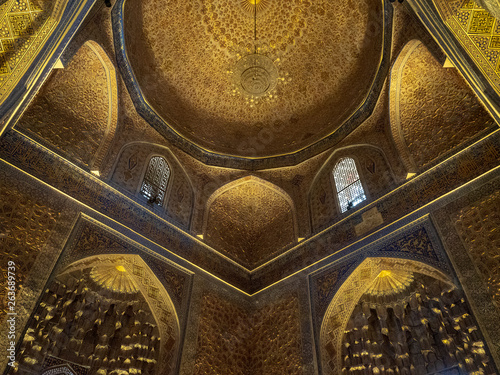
(115,278)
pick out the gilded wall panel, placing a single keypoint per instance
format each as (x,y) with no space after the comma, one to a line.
(33,225)
(466,231)
(479,228)
(427,103)
(478,32)
(250,221)
(223,332)
(26,222)
(235,340)
(76,108)
(276,341)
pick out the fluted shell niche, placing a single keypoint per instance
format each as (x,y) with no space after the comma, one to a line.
(254,78)
(409,323)
(97,316)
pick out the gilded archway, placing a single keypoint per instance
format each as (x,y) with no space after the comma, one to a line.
(375,174)
(387,314)
(108,313)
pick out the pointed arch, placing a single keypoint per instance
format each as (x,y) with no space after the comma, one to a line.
(347,183)
(129,170)
(250,220)
(366,281)
(104,298)
(155,180)
(76,110)
(433,111)
(375,174)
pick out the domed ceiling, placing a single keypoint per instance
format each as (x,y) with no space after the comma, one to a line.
(253,78)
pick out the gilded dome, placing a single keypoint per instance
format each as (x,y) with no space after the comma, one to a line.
(312,64)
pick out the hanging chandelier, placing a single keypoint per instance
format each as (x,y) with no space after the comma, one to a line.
(255,75)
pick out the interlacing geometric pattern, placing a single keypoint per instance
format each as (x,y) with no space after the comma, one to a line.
(234,340)
(349,188)
(477,31)
(25,26)
(154,185)
(478,226)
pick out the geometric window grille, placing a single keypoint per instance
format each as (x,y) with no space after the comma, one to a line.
(349,188)
(154,185)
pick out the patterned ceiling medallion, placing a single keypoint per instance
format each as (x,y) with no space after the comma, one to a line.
(255,75)
(115,278)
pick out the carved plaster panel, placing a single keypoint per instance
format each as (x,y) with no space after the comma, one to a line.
(76,111)
(427,102)
(250,220)
(25,26)
(478,32)
(234,340)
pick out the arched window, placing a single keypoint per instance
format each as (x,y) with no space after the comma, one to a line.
(349,188)
(154,185)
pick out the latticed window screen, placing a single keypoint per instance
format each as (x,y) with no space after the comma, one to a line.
(349,188)
(154,185)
